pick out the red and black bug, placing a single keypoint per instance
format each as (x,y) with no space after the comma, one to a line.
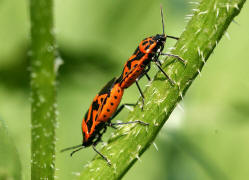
(148,51)
(102,110)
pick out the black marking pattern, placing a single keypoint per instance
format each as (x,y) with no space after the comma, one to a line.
(145,42)
(95,107)
(106,89)
(95,104)
(147,47)
(138,56)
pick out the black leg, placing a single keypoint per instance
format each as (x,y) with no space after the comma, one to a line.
(176,56)
(141,93)
(142,75)
(146,72)
(148,68)
(112,126)
(159,67)
(105,158)
(159,62)
(131,122)
(173,37)
(120,109)
(98,136)
(148,77)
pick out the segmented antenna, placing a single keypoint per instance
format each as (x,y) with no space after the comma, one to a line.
(162,18)
(73,147)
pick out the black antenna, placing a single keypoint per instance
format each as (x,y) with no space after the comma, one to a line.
(76,150)
(162,18)
(69,148)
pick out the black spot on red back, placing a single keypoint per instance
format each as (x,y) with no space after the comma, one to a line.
(145,42)
(137,57)
(147,47)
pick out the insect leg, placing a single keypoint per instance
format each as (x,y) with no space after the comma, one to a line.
(141,93)
(148,77)
(99,135)
(113,125)
(131,122)
(146,72)
(173,37)
(148,68)
(176,56)
(142,75)
(104,157)
(159,67)
(120,109)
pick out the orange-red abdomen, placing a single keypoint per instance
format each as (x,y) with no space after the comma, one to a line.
(111,104)
(104,105)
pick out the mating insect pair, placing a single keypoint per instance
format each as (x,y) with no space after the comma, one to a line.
(105,104)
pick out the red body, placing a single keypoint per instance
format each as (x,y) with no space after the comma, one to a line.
(147,51)
(104,105)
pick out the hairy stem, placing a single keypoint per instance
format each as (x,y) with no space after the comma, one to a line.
(210,21)
(43,92)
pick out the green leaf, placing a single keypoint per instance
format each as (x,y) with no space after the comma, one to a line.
(10,165)
(209,22)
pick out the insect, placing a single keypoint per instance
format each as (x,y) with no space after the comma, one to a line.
(138,64)
(102,110)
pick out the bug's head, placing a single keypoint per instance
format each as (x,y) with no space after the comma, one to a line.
(86,143)
(160,41)
(88,139)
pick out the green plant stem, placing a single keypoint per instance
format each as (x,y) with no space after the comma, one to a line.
(210,21)
(43,90)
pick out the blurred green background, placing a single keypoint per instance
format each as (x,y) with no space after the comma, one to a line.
(206,137)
